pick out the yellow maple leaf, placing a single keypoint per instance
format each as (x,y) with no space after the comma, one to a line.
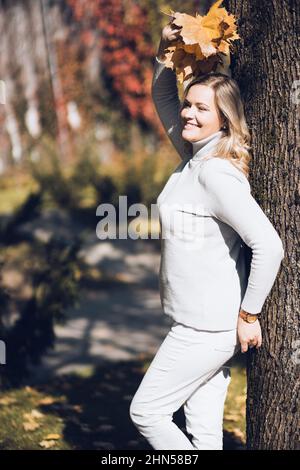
(203,42)
(193,31)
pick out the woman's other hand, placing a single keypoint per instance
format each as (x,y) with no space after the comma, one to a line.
(249,334)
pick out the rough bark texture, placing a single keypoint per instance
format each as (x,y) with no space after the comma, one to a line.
(266,65)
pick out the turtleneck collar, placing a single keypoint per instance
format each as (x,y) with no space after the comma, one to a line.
(200,147)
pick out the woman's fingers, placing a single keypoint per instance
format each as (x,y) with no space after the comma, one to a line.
(251,343)
(171,31)
(259,342)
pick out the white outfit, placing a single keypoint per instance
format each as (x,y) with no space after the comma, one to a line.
(203,284)
(207,215)
(188,369)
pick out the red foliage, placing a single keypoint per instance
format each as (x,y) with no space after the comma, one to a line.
(126,50)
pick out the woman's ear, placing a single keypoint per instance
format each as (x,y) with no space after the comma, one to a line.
(224,126)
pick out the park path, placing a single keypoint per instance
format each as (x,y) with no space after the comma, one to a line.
(120,319)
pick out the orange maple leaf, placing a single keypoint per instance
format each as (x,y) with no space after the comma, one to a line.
(203,42)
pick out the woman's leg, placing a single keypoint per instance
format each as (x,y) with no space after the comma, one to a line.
(204,411)
(186,359)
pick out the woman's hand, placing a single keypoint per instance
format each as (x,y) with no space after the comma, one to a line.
(249,334)
(170,32)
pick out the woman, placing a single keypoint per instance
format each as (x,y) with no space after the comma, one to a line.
(204,283)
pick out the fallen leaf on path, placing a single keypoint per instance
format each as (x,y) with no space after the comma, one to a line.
(47,444)
(47,401)
(238,433)
(31,425)
(7,401)
(53,437)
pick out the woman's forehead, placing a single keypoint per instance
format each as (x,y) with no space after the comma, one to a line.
(200,93)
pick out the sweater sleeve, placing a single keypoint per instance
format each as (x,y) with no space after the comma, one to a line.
(231,202)
(167,104)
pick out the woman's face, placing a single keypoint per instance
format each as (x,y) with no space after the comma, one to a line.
(199,113)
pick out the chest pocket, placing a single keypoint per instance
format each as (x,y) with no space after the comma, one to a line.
(183,223)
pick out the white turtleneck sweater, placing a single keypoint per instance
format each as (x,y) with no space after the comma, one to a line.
(207,216)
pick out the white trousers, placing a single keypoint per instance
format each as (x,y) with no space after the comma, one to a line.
(188,369)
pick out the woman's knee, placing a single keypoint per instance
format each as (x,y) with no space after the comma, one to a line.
(144,417)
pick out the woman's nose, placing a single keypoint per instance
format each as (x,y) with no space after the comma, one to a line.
(189,113)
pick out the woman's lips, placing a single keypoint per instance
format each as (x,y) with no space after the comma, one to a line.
(190,126)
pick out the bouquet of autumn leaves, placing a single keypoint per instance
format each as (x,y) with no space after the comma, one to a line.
(204,42)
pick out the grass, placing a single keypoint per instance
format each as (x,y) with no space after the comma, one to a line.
(24,426)
(235,404)
(90,410)
(14,189)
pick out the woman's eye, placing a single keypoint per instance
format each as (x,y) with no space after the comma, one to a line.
(187,104)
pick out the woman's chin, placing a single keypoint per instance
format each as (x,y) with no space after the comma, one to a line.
(190,135)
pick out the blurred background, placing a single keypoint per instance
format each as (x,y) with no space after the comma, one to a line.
(80,317)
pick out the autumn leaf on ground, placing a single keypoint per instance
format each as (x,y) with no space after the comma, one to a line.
(52,437)
(203,42)
(34,414)
(238,433)
(5,401)
(31,424)
(47,444)
(47,401)
(77,408)
(30,390)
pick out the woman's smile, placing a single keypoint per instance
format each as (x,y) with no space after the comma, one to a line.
(189,125)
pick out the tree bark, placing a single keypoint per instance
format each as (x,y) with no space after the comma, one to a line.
(266,67)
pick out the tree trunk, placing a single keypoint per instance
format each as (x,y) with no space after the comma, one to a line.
(266,66)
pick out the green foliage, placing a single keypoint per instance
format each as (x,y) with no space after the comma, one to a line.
(55,288)
(47,171)
(52,271)
(27,211)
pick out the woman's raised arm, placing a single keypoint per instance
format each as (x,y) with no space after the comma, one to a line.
(165,96)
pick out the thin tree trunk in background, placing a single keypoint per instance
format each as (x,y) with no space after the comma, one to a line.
(39,49)
(60,106)
(30,79)
(266,66)
(8,117)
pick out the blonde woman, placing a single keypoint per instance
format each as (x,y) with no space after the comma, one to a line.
(207,216)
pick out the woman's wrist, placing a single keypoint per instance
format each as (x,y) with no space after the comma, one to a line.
(164,43)
(248,317)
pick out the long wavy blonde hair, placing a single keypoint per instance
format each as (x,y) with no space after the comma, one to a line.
(235,144)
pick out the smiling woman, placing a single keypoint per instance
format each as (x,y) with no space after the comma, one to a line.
(200,114)
(204,283)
